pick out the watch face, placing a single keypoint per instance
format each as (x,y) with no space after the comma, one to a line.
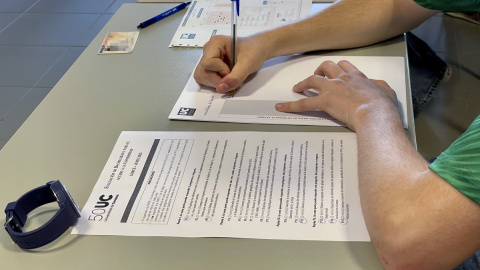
(69,198)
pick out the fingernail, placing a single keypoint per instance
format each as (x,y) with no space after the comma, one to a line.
(278,106)
(223,88)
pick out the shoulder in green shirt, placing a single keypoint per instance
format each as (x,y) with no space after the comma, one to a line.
(460,163)
(451,5)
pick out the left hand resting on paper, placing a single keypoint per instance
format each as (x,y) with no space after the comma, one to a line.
(345,93)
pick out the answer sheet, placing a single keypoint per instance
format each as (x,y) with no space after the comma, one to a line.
(206,18)
(254,101)
(283,185)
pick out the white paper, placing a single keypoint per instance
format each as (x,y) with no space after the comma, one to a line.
(297,186)
(206,18)
(254,101)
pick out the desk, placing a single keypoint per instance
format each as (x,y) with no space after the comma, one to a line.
(181,1)
(72,132)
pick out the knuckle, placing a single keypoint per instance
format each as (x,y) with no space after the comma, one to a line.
(344,77)
(383,83)
(215,38)
(197,76)
(301,104)
(287,107)
(213,65)
(312,79)
(329,62)
(358,73)
(392,93)
(326,64)
(205,46)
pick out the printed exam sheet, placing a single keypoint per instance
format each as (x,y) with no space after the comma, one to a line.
(296,186)
(206,18)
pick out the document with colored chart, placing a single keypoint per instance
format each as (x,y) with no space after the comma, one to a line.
(264,185)
(206,18)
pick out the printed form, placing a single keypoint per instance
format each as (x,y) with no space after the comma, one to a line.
(254,101)
(206,18)
(294,186)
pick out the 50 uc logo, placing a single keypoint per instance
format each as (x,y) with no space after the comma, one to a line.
(100,208)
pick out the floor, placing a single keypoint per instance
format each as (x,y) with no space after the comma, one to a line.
(41,39)
(456,103)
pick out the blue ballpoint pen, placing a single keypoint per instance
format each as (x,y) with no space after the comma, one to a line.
(235,14)
(163,15)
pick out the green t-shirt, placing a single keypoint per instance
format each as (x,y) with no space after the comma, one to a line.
(460,163)
(451,5)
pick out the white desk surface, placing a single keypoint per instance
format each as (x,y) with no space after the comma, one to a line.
(72,132)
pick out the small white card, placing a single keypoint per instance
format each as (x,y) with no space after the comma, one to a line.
(118,42)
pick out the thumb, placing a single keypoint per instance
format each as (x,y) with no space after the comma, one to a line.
(233,80)
(227,84)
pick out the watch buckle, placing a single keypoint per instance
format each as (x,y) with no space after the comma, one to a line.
(10,219)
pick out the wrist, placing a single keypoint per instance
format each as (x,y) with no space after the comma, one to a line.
(265,43)
(281,41)
(379,114)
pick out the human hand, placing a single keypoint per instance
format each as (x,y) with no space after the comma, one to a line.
(345,93)
(214,67)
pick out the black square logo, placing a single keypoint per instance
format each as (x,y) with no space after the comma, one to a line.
(186,111)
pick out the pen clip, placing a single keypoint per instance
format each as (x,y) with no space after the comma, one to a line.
(238,6)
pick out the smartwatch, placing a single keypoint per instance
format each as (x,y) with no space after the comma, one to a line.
(17,212)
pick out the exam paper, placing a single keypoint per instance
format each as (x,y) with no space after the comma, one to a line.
(254,101)
(206,18)
(296,186)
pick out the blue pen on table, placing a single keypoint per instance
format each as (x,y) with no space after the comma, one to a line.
(163,15)
(235,14)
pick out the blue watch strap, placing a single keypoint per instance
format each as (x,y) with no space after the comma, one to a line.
(16,215)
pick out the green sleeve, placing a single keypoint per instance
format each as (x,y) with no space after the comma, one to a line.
(459,165)
(451,5)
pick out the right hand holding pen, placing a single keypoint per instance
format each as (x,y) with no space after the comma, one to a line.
(214,67)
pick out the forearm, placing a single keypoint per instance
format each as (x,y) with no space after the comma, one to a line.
(416,220)
(346,24)
(388,166)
